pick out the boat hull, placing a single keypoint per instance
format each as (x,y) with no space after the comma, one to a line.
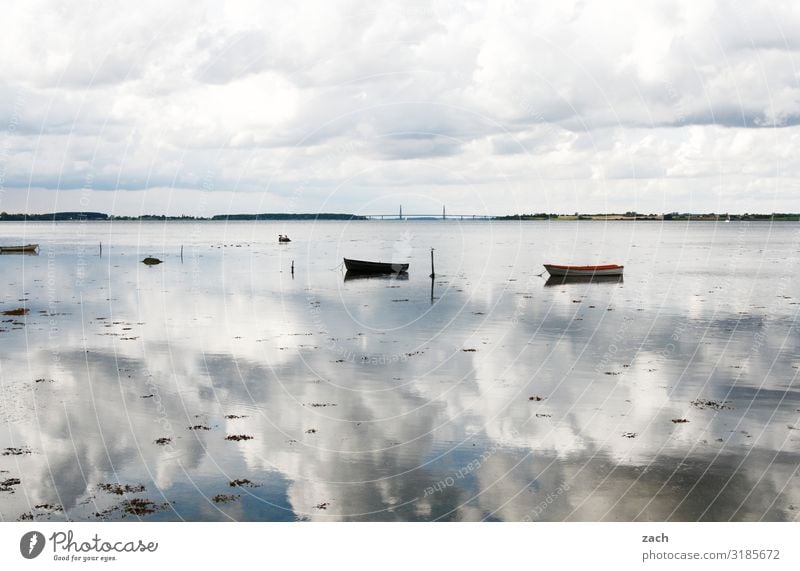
(364,267)
(583,271)
(28,248)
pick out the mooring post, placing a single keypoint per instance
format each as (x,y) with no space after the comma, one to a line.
(292,267)
(101,249)
(433,272)
(181,253)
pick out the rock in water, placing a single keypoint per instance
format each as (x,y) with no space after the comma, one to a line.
(151,261)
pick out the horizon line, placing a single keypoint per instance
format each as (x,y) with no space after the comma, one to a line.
(86,215)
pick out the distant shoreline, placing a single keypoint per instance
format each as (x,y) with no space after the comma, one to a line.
(628,216)
(673,216)
(102,217)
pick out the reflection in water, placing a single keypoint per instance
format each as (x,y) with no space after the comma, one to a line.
(351,275)
(561,280)
(226,390)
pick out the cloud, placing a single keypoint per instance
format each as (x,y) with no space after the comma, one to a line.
(530,92)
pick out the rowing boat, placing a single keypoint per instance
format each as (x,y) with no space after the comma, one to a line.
(584,271)
(363,267)
(19,249)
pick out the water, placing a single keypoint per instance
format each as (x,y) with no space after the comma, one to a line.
(484,394)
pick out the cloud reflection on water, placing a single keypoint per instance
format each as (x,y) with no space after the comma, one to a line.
(365,401)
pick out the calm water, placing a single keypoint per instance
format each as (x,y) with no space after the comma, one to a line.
(487,394)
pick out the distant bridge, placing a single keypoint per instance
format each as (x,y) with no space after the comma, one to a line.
(428,216)
(443,216)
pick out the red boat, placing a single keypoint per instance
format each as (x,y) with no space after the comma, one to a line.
(584,271)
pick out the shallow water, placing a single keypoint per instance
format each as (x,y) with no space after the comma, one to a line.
(484,394)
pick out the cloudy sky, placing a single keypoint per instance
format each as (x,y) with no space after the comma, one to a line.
(203,108)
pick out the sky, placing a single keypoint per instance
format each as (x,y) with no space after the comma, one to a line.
(203,108)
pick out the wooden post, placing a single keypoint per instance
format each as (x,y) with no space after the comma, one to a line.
(292,267)
(433,272)
(101,249)
(181,253)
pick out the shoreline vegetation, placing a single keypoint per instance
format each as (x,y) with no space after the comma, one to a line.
(627,216)
(711,217)
(102,217)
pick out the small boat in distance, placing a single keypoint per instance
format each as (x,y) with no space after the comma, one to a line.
(363,267)
(584,271)
(282,238)
(26,249)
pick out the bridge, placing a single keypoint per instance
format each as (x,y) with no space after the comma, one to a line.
(443,216)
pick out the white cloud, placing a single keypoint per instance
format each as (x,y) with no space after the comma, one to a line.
(673,94)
